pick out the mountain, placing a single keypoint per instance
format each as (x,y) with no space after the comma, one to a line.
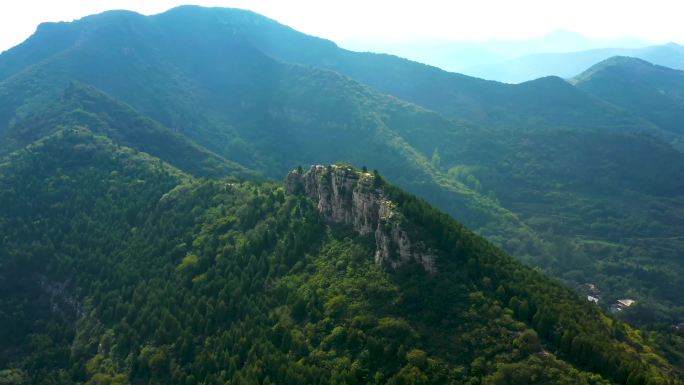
(530,158)
(541,103)
(161,41)
(462,55)
(141,244)
(569,64)
(242,104)
(86,106)
(652,91)
(567,182)
(119,268)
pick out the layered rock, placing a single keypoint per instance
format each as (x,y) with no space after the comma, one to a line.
(345,195)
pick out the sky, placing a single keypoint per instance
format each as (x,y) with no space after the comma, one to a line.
(396,20)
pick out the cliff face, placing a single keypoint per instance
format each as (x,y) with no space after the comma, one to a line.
(344,195)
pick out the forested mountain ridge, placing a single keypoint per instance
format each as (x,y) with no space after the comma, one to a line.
(137,272)
(82,105)
(654,92)
(540,103)
(548,102)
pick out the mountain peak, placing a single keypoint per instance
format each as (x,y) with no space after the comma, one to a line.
(625,61)
(345,195)
(115,15)
(220,14)
(615,62)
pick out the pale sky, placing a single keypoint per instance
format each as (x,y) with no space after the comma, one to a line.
(397,20)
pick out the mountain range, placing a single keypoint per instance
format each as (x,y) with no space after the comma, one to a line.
(569,64)
(463,55)
(145,240)
(653,92)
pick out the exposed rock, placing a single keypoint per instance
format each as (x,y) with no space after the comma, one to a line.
(348,196)
(62,303)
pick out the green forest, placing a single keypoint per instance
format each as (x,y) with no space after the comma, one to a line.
(544,169)
(159,277)
(151,232)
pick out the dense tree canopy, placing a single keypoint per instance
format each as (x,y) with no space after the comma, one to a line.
(119,268)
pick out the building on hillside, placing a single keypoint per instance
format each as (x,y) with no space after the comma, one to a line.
(624,303)
(621,305)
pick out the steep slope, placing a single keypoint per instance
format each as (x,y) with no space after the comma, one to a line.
(569,64)
(148,275)
(651,91)
(84,195)
(85,106)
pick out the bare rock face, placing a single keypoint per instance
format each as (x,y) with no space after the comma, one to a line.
(348,196)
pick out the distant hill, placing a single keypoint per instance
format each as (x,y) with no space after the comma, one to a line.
(567,65)
(161,42)
(85,106)
(543,103)
(652,91)
(463,55)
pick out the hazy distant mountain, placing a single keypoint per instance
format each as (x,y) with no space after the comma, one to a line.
(549,102)
(462,56)
(654,92)
(569,64)
(148,50)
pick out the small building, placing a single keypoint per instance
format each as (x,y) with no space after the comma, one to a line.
(593,299)
(621,304)
(625,302)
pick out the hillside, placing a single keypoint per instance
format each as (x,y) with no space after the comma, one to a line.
(138,272)
(85,106)
(654,92)
(611,211)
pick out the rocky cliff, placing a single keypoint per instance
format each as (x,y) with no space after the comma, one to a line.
(345,195)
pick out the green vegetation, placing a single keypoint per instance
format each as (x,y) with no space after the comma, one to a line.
(110,206)
(654,92)
(85,106)
(560,179)
(118,268)
(251,110)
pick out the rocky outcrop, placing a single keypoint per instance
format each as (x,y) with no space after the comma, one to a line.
(345,195)
(62,302)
